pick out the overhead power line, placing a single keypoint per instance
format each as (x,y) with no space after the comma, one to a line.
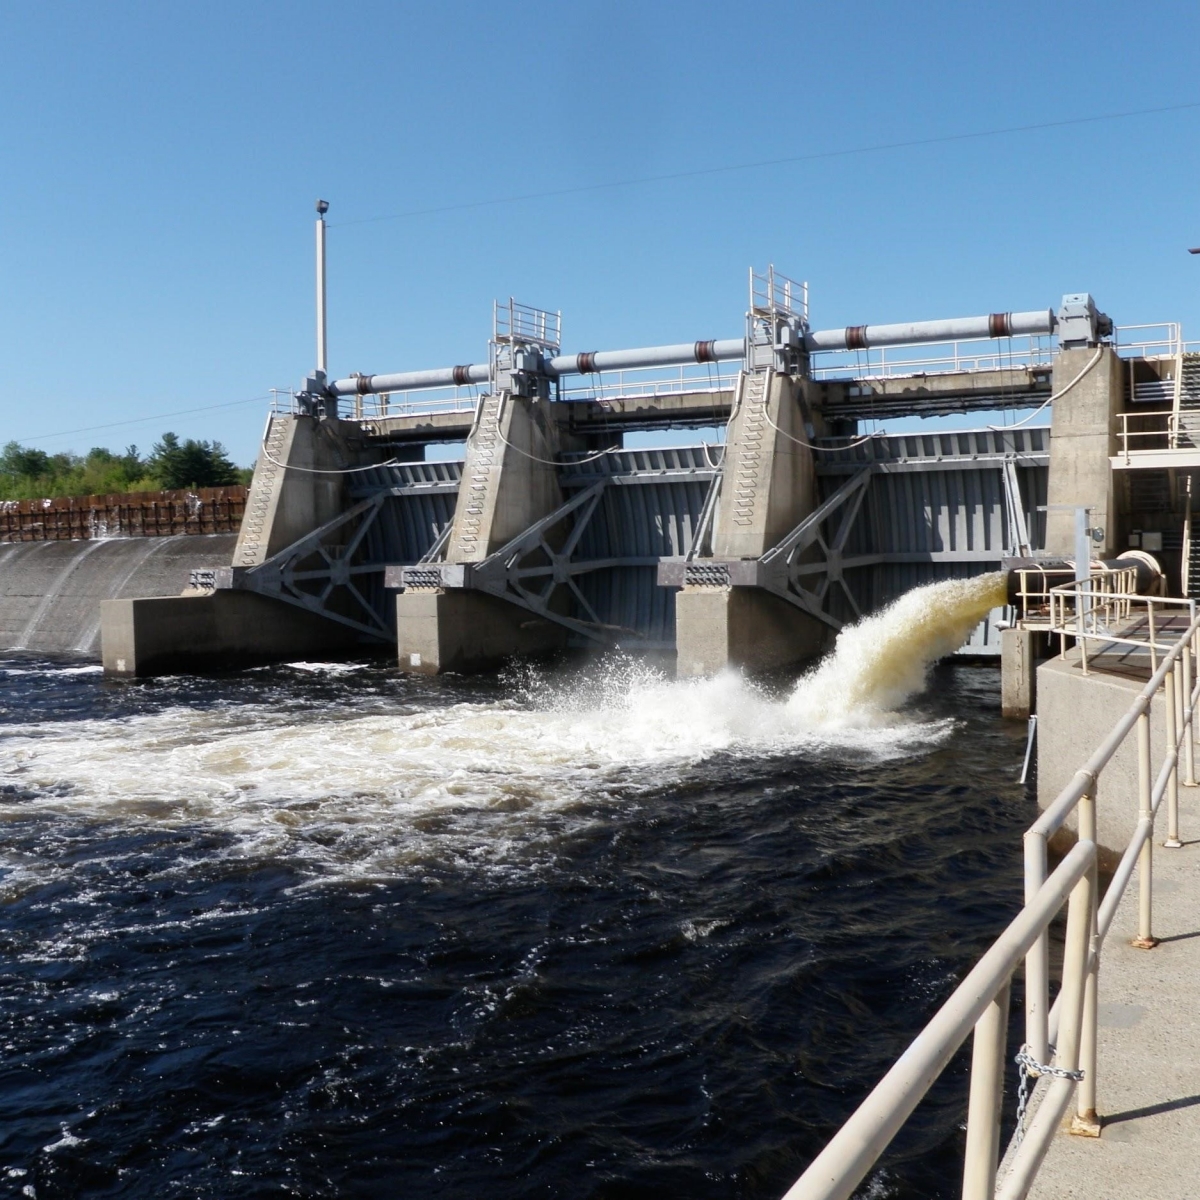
(876,148)
(180,412)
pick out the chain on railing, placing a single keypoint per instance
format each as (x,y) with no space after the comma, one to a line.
(1060,1040)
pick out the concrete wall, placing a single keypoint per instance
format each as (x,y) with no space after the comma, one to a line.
(1082,437)
(225,629)
(50,592)
(1076,712)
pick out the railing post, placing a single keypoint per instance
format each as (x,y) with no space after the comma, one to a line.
(1171,697)
(1150,624)
(1080,923)
(987,1092)
(1085,1122)
(1189,742)
(1037,961)
(1145,939)
(1173,700)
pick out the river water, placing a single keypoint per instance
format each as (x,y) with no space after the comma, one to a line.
(330,930)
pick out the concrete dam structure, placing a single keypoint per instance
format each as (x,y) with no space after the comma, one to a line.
(556,528)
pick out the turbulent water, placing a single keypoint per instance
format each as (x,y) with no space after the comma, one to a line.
(323,930)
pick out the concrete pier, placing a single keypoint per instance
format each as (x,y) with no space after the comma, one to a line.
(196,633)
(510,481)
(1083,438)
(1018,673)
(769,487)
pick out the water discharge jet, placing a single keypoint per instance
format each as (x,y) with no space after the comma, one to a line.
(883,660)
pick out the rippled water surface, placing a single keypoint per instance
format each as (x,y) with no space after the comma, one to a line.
(320,930)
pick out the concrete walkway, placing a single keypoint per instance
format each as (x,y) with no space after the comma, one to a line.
(1148,1073)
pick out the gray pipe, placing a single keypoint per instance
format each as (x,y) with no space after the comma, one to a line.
(854,337)
(680,354)
(956,329)
(410,381)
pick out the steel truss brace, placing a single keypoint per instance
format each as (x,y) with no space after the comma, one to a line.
(785,571)
(1018,531)
(309,571)
(789,565)
(529,569)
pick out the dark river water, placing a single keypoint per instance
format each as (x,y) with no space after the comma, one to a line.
(332,931)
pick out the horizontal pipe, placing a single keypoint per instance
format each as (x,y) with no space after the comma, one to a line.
(855,1148)
(410,381)
(720,350)
(680,354)
(955,329)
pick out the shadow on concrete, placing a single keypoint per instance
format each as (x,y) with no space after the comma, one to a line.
(1179,937)
(1151,1110)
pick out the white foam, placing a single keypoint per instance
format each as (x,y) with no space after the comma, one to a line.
(354,793)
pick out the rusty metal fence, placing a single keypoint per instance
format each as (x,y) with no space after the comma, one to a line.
(132,514)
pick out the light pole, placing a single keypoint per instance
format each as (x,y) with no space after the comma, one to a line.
(322,209)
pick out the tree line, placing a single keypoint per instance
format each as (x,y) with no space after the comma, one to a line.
(30,474)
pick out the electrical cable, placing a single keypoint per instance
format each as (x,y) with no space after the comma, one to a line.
(182,412)
(770,162)
(1056,396)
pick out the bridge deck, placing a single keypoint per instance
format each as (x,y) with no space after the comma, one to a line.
(849,399)
(1149,1050)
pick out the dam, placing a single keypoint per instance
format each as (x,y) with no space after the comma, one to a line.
(450,520)
(460,517)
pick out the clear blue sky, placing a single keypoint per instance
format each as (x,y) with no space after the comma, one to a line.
(160,163)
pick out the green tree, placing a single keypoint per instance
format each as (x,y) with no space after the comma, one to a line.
(192,463)
(20,462)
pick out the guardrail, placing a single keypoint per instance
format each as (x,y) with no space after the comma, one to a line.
(1033,593)
(1162,429)
(1089,612)
(1161,340)
(980,1002)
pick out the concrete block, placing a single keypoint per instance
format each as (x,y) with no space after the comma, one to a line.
(160,636)
(467,631)
(743,627)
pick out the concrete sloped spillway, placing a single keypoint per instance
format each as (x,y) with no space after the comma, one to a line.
(50,592)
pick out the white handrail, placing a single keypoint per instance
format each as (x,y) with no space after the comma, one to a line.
(981,1000)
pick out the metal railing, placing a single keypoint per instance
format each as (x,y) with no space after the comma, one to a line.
(1162,340)
(980,1002)
(1033,593)
(982,354)
(692,379)
(513,322)
(1163,429)
(1090,611)
(774,293)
